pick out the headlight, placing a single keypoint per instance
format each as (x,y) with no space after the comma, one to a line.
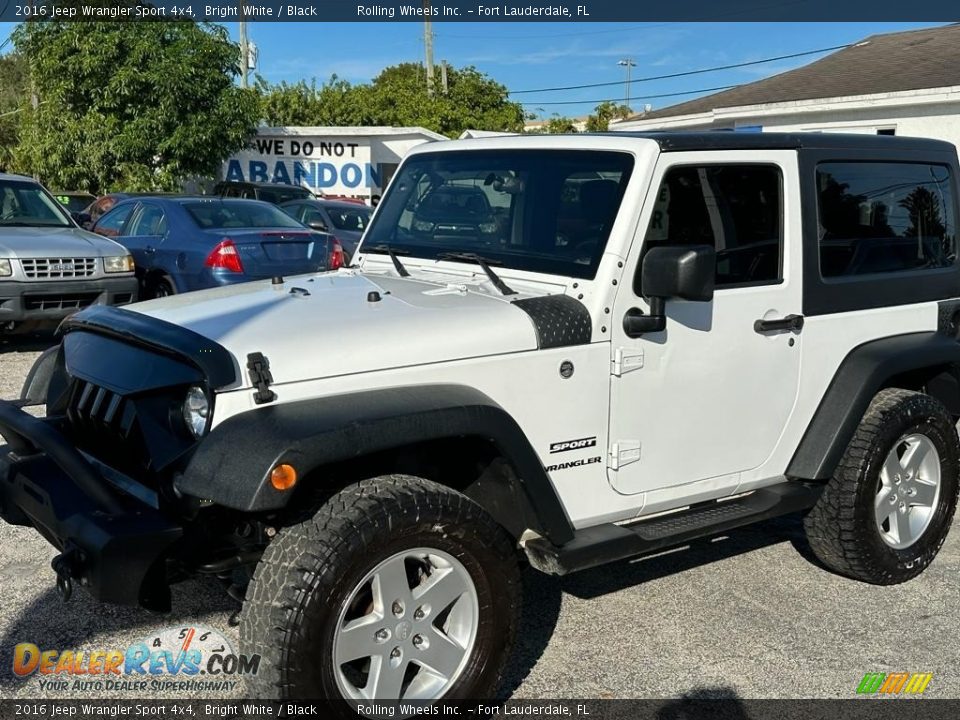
(196,411)
(120,263)
(488,228)
(6,268)
(422,226)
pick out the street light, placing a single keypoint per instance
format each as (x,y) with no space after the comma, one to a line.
(627,63)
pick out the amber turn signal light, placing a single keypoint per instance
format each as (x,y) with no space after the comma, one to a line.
(283,477)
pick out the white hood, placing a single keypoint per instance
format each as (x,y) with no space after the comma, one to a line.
(333,329)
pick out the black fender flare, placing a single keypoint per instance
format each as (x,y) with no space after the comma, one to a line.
(231,466)
(864,371)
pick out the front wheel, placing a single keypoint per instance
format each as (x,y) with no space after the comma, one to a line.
(398,588)
(888,508)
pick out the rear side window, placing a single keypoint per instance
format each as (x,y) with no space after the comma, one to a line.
(148,221)
(885,218)
(735,208)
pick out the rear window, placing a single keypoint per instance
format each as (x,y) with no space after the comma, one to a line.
(283,194)
(885,217)
(215,215)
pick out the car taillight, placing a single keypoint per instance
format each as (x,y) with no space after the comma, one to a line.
(225,256)
(336,259)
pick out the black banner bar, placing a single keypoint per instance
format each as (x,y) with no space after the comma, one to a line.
(873,708)
(482,11)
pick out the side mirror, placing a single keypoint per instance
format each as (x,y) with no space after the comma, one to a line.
(82,219)
(686,272)
(317,224)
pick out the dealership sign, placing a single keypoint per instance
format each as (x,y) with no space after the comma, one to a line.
(333,167)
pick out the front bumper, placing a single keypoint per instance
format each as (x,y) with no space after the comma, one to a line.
(55,299)
(112,544)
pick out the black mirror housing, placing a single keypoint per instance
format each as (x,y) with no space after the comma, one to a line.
(317,225)
(81,218)
(679,271)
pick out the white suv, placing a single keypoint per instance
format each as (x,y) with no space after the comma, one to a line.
(565,350)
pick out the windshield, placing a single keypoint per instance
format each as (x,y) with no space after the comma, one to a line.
(544,211)
(26,204)
(349,218)
(218,214)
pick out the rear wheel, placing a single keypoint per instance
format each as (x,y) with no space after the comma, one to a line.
(158,287)
(887,510)
(398,588)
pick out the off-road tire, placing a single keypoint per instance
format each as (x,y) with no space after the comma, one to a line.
(841,528)
(309,570)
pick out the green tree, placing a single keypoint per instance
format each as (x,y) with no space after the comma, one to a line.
(138,106)
(397,96)
(599,121)
(14,95)
(558,125)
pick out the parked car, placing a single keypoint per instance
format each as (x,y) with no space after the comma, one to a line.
(275,193)
(189,243)
(454,212)
(751,325)
(50,267)
(74,201)
(346,221)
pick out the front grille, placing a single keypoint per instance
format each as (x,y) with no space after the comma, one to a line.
(58,268)
(96,408)
(71,301)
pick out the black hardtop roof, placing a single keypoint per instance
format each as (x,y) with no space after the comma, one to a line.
(720,140)
(251,183)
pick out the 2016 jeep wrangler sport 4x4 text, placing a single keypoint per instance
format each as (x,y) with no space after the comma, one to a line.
(560,350)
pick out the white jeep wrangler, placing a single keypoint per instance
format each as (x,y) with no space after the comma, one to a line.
(560,350)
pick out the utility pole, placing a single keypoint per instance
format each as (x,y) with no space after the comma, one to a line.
(627,63)
(428,44)
(244,49)
(443,76)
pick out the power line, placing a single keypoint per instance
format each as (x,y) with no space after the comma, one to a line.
(641,97)
(686,73)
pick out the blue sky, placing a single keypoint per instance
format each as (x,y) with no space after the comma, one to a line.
(535,55)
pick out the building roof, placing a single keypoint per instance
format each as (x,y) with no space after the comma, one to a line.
(355,131)
(721,140)
(894,62)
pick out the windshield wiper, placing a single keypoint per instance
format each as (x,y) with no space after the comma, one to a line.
(483,263)
(401,270)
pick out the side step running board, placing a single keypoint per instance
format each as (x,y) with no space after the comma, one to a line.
(607,543)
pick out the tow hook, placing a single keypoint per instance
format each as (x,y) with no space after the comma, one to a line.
(64,566)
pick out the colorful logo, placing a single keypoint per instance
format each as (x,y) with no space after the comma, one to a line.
(900,683)
(174,654)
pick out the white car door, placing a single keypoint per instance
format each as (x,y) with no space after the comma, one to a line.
(709,397)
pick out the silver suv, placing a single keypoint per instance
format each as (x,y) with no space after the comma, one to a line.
(49,266)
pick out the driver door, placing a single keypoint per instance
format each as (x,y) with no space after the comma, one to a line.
(707,399)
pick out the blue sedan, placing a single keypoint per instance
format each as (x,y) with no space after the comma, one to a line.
(191,243)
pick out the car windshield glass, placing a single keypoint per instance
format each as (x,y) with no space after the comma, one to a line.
(352,218)
(218,214)
(543,211)
(26,204)
(283,194)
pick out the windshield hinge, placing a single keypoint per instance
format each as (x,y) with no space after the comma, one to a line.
(258,367)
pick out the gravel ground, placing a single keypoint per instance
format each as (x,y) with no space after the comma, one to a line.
(746,616)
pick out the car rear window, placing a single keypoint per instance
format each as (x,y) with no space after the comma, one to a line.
(880,217)
(217,214)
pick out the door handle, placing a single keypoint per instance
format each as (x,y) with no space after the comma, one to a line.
(149,249)
(790,322)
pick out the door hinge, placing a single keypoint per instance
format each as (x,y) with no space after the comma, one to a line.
(258,367)
(627,359)
(624,452)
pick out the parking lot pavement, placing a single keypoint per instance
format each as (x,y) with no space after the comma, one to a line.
(744,616)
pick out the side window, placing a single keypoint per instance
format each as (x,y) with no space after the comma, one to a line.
(884,217)
(736,208)
(112,223)
(149,220)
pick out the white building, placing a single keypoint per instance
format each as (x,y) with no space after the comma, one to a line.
(904,83)
(343,161)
